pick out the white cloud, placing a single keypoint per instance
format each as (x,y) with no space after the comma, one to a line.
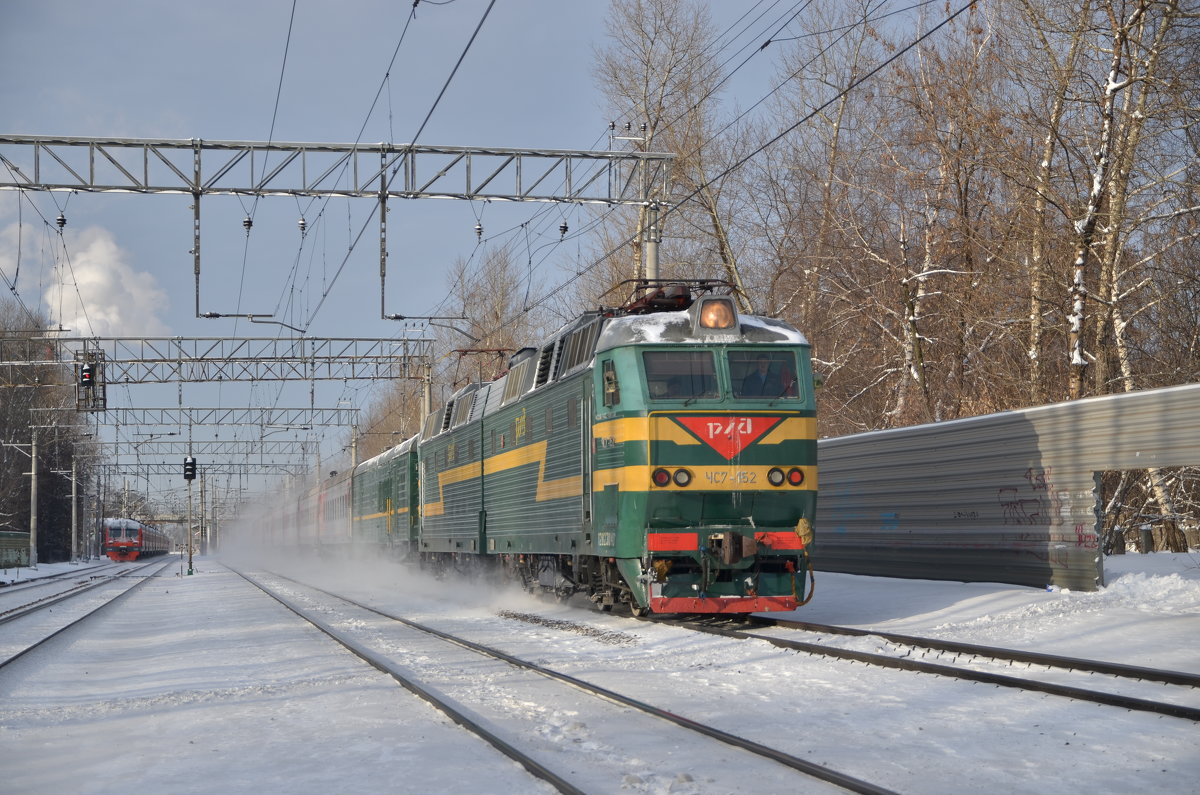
(117,301)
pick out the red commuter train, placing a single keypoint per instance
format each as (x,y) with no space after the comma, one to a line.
(129,539)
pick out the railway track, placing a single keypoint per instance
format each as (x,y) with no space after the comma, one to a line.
(213,664)
(27,634)
(393,655)
(52,579)
(1178,692)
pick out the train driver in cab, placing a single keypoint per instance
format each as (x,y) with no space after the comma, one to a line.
(761,382)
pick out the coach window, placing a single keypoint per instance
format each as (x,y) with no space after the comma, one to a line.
(675,375)
(763,374)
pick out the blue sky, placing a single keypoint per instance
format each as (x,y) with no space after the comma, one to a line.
(212,70)
(141,69)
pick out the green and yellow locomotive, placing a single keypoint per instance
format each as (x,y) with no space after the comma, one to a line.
(660,455)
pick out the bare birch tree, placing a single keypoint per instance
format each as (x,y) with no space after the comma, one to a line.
(658,75)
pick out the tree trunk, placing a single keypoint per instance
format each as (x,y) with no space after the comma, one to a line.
(1036,263)
(1086,226)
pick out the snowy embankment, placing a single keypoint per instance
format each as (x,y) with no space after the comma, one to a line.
(201,684)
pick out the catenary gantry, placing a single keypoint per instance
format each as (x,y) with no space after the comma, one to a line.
(263,417)
(146,360)
(275,168)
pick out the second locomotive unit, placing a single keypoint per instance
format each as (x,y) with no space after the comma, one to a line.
(661,455)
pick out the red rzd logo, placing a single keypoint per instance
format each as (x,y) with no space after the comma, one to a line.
(728,435)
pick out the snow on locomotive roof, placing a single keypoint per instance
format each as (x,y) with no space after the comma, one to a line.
(662,327)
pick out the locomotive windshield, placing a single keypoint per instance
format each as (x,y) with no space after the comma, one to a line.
(753,374)
(757,374)
(671,375)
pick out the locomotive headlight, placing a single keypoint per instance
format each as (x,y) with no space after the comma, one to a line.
(682,477)
(717,313)
(775,476)
(795,476)
(661,478)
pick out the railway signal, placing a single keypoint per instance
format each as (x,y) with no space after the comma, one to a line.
(89,379)
(189,468)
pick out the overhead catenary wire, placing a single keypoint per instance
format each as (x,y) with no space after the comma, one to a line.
(790,14)
(428,116)
(776,26)
(358,137)
(270,137)
(12,283)
(454,71)
(742,161)
(540,216)
(75,283)
(290,284)
(853,84)
(844,30)
(526,228)
(55,228)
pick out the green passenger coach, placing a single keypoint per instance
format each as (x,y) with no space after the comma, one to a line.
(385,499)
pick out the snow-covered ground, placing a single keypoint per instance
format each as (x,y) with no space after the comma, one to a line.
(201,684)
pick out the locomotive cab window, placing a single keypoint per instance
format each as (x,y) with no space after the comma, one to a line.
(680,375)
(763,374)
(612,387)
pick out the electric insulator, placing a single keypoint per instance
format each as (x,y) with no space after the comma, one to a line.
(562,230)
(303,225)
(247,222)
(479,230)
(61,220)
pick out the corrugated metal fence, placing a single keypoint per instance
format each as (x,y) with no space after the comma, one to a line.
(1006,497)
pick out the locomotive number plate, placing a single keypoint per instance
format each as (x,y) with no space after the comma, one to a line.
(723,477)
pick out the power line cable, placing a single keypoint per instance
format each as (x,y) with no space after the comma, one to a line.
(761,148)
(538,217)
(362,129)
(817,110)
(75,282)
(791,14)
(252,212)
(454,71)
(12,283)
(428,116)
(388,72)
